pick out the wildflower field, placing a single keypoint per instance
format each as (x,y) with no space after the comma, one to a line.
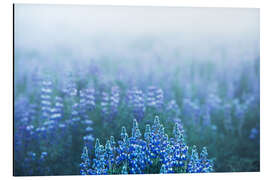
(145,106)
(105,120)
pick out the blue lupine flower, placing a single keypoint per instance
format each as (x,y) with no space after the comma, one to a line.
(57,110)
(105,104)
(136,103)
(87,99)
(206,164)
(134,154)
(46,92)
(99,165)
(70,88)
(85,165)
(75,117)
(194,165)
(154,97)
(109,155)
(114,100)
(88,138)
(181,149)
(110,102)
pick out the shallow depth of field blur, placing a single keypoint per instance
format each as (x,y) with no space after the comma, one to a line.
(124,90)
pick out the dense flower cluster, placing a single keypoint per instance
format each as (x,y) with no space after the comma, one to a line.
(135,155)
(53,121)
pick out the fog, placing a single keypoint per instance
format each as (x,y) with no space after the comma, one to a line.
(58,32)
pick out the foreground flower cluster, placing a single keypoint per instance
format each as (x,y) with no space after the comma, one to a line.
(137,155)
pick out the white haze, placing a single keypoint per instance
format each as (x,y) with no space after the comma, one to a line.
(85,32)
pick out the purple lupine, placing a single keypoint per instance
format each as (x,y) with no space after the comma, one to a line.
(99,165)
(87,99)
(194,161)
(180,148)
(75,116)
(136,103)
(57,110)
(179,124)
(70,88)
(134,154)
(114,100)
(154,97)
(33,112)
(85,165)
(87,103)
(206,165)
(110,102)
(46,98)
(105,104)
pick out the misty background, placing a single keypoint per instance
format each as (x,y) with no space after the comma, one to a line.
(93,31)
(124,41)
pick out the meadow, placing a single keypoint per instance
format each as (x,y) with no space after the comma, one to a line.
(121,116)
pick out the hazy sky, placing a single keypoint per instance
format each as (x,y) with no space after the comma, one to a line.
(93,30)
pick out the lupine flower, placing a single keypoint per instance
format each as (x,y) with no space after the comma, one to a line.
(181,149)
(114,100)
(88,138)
(136,103)
(99,165)
(87,103)
(75,117)
(105,104)
(87,99)
(154,97)
(70,88)
(46,93)
(178,121)
(206,164)
(194,162)
(57,110)
(33,112)
(30,129)
(109,155)
(85,165)
(133,154)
